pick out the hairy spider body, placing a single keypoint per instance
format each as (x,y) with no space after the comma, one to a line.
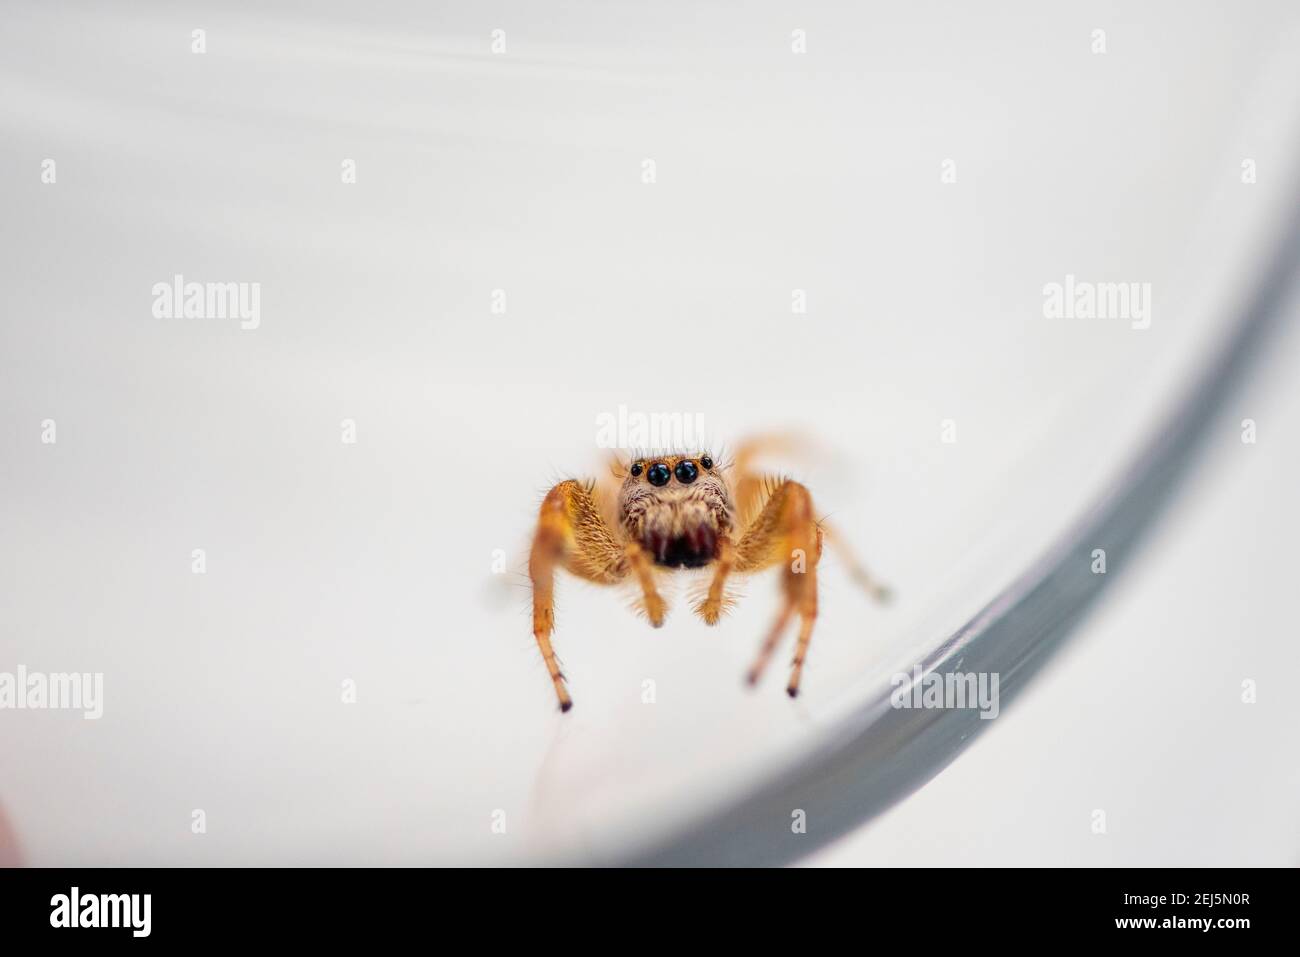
(683,511)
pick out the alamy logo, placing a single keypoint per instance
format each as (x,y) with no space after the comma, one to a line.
(37,690)
(1074,299)
(102,910)
(954,690)
(653,430)
(179,299)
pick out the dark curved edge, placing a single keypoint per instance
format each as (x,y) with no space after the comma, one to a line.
(880,754)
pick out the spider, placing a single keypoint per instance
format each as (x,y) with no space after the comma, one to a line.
(684,511)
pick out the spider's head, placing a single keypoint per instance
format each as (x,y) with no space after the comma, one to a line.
(676,506)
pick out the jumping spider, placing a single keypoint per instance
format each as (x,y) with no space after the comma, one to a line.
(683,511)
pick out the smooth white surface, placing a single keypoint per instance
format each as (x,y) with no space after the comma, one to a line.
(372,562)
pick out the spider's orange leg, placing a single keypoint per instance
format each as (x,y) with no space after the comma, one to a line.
(655,607)
(769,644)
(547,552)
(571,533)
(808,616)
(751,482)
(710,607)
(786,532)
(857,571)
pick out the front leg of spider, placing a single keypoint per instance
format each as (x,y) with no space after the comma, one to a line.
(573,535)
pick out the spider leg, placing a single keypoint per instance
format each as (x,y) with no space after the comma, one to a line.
(710,606)
(808,618)
(574,535)
(549,541)
(642,567)
(785,532)
(857,571)
(769,643)
(752,485)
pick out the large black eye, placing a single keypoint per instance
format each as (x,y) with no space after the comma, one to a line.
(658,474)
(706,462)
(686,472)
(637,468)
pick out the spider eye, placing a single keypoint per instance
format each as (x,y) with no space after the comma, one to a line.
(637,468)
(686,472)
(658,474)
(706,462)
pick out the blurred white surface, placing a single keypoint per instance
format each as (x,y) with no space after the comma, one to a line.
(522,171)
